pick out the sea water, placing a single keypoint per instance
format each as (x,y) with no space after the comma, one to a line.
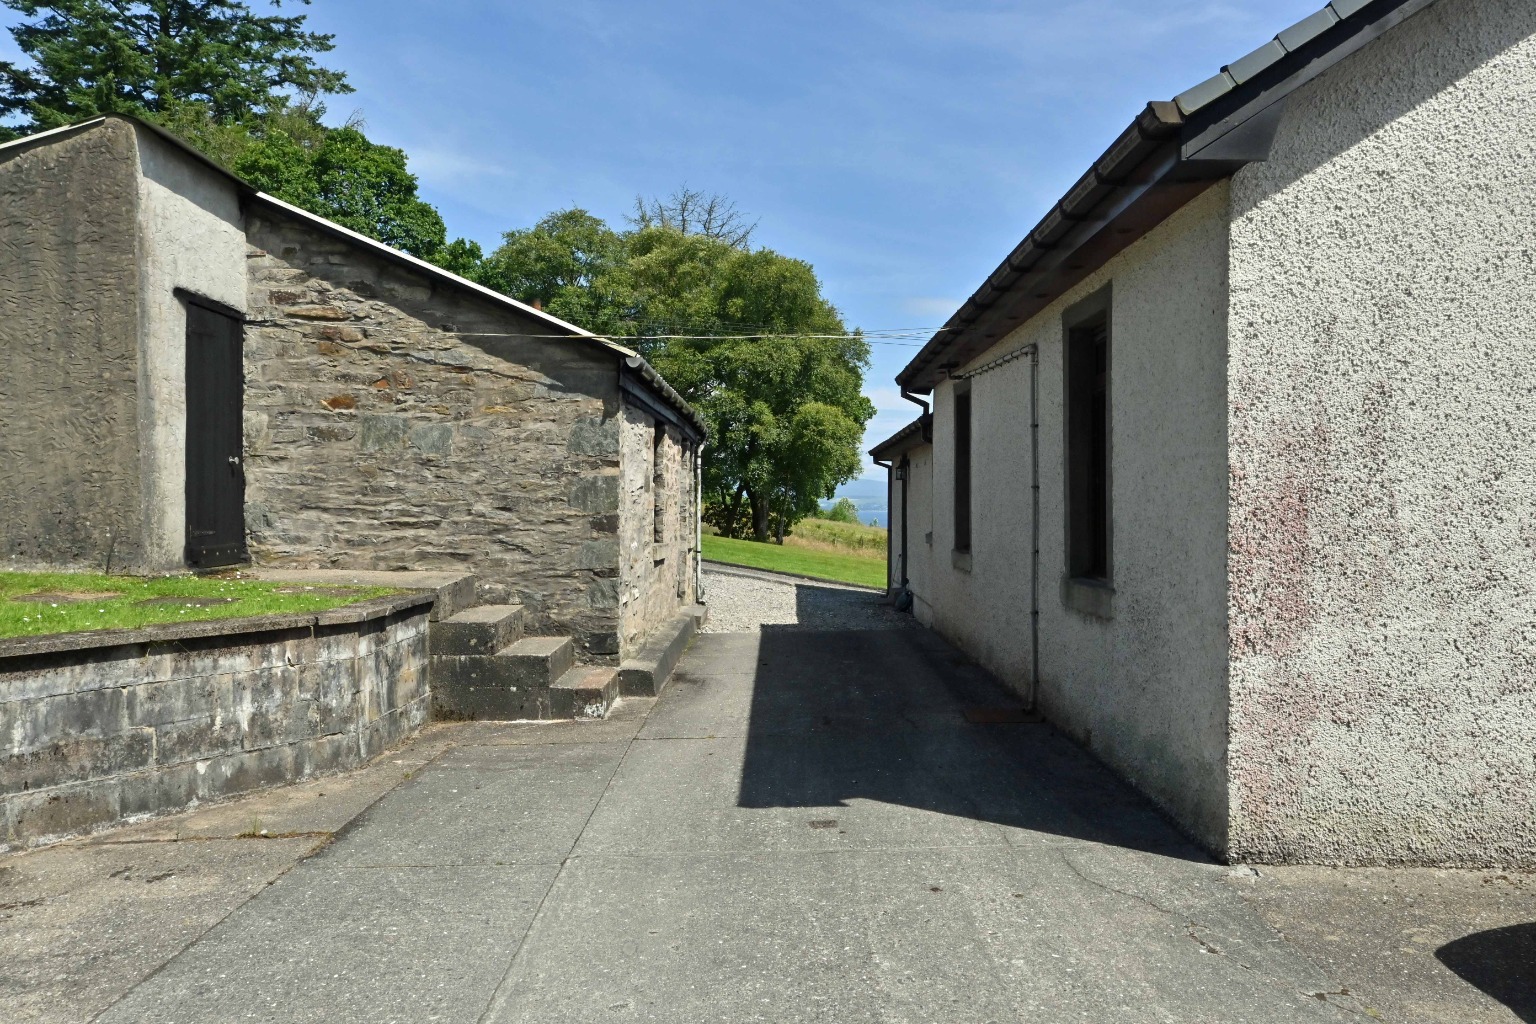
(868,494)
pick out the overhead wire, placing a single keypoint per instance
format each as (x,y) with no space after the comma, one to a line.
(880,339)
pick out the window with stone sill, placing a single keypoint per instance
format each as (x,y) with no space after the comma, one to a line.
(659,484)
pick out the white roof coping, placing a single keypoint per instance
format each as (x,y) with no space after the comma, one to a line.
(434,270)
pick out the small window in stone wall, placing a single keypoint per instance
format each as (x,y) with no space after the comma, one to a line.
(659,483)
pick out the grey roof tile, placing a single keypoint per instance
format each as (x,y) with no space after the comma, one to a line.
(1245,68)
(1211,89)
(1308,29)
(1344,8)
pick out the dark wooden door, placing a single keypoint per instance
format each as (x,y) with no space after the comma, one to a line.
(215,473)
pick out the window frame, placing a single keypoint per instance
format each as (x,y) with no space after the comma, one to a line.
(962,451)
(1084,570)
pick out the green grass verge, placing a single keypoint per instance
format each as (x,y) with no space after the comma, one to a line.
(865,570)
(82,601)
(854,536)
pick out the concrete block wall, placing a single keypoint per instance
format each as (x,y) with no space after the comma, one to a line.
(393,422)
(96,729)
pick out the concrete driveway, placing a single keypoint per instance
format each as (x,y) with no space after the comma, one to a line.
(809,825)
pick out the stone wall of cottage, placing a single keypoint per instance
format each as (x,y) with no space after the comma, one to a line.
(657,521)
(395,421)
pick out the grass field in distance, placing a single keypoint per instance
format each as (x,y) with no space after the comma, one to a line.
(842,552)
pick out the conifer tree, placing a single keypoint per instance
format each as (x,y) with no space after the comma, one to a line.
(152,57)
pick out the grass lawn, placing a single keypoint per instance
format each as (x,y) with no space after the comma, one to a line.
(845,567)
(32,603)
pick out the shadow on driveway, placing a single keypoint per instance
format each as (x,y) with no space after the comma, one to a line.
(1501,962)
(880,715)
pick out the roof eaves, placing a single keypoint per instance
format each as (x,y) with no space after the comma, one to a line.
(1238,111)
(904,440)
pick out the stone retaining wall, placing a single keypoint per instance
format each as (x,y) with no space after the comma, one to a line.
(99,727)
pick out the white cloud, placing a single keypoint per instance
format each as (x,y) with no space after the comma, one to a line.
(937,309)
(446,167)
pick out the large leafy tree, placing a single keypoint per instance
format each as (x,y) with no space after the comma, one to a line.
(151,57)
(571,264)
(342,176)
(745,335)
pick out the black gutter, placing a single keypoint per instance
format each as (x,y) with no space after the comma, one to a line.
(639,380)
(914,435)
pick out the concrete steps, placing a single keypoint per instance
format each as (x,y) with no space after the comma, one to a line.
(510,684)
(484,629)
(481,665)
(586,691)
(647,672)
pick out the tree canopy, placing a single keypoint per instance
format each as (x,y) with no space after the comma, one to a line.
(340,175)
(243,87)
(150,57)
(745,335)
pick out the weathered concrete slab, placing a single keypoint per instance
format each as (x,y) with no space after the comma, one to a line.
(731,683)
(1417,945)
(484,805)
(80,926)
(895,935)
(320,807)
(624,721)
(406,945)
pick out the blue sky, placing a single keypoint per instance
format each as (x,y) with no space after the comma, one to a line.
(901,147)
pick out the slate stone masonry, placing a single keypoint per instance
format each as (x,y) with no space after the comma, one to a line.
(657,530)
(394,422)
(96,728)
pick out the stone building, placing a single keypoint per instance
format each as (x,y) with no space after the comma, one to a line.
(198,374)
(1231,464)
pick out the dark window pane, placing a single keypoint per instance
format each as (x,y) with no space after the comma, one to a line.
(963,472)
(1088,505)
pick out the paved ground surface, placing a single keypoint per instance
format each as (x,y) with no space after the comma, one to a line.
(805,827)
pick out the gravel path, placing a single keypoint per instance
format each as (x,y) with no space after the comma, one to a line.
(741,600)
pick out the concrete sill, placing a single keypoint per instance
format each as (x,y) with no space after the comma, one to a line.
(1094,598)
(960,560)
